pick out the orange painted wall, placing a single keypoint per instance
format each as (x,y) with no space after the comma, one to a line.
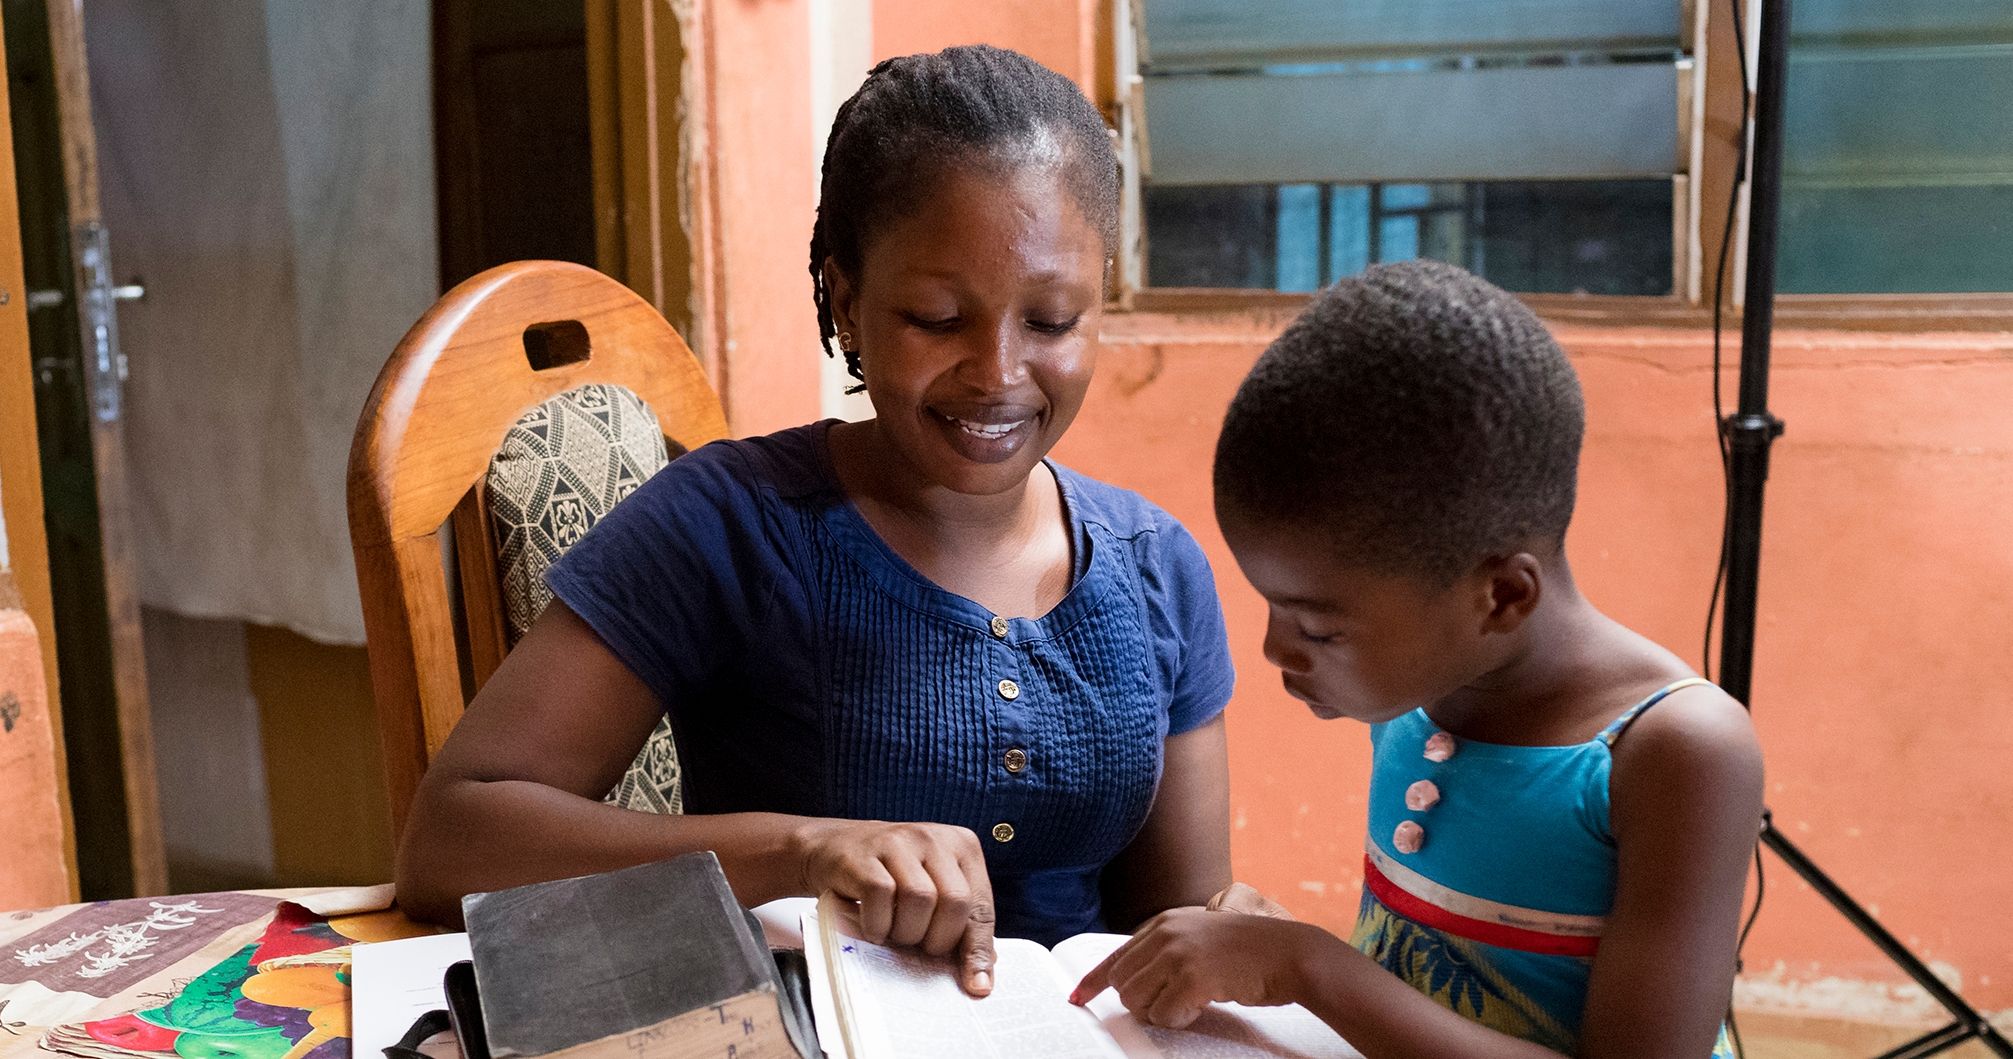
(1884,679)
(34,872)
(760,133)
(1057,33)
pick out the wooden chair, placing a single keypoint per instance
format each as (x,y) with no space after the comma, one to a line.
(499,346)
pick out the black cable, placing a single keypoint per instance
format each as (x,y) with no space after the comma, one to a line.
(1725,456)
(1760,887)
(1760,884)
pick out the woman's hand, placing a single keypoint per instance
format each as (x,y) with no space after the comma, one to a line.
(497,809)
(1244,900)
(1186,959)
(921,885)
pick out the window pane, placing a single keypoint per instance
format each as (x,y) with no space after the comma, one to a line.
(1300,232)
(1287,143)
(1348,231)
(1897,240)
(1599,237)
(1212,237)
(1899,21)
(1898,147)
(1202,32)
(1608,120)
(1594,238)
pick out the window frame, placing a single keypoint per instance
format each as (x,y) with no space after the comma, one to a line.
(1710,101)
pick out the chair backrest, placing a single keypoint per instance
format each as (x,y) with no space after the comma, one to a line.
(490,350)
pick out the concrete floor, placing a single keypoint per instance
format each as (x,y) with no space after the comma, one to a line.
(1768,1036)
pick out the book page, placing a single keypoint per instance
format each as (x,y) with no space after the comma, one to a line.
(783,921)
(1225,1031)
(906,1005)
(393,983)
(824,1006)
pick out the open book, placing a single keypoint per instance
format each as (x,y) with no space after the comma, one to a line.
(873,1002)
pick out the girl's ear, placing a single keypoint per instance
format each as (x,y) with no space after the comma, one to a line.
(1510,590)
(843,298)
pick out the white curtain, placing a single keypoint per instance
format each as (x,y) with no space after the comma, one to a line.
(268,172)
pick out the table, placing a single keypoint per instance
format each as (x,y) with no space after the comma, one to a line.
(63,967)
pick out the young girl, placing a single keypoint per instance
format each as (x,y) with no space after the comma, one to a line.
(1561,813)
(907,660)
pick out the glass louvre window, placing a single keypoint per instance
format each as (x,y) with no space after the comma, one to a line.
(1288,143)
(1550,237)
(1898,147)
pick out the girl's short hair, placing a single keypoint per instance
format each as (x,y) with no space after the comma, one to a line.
(1419,418)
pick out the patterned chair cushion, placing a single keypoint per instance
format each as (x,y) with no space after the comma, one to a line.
(562,467)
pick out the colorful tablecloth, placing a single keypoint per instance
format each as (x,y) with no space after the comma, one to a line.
(260,974)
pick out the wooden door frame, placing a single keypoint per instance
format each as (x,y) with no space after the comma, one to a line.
(108,444)
(124,726)
(655,200)
(26,575)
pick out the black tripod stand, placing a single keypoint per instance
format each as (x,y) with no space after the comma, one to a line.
(1749,432)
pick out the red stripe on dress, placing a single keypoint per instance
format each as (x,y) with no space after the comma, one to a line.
(1426,913)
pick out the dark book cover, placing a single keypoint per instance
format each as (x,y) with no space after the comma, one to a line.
(654,958)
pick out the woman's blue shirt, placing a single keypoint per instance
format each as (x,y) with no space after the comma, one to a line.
(808,669)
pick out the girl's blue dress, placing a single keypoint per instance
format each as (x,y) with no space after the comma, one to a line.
(1491,898)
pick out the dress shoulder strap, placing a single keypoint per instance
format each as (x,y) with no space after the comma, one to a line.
(1620,724)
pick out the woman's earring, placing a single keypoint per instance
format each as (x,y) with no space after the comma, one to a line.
(846,341)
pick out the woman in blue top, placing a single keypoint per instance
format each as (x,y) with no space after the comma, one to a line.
(907,660)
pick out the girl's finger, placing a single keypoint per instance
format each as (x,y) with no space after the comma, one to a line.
(1175,1007)
(1113,971)
(1099,978)
(1139,991)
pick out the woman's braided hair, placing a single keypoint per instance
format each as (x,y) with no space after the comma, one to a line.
(920,114)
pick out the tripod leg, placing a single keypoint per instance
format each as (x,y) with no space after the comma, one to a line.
(1969,1021)
(1930,1043)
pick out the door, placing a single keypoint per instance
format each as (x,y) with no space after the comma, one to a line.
(513,152)
(79,371)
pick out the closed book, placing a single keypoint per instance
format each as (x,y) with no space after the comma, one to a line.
(652,962)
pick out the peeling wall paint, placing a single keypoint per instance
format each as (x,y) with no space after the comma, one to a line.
(1808,992)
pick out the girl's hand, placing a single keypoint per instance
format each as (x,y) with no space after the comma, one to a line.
(919,885)
(1245,900)
(1183,960)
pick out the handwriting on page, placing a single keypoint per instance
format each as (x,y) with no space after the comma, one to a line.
(747,1027)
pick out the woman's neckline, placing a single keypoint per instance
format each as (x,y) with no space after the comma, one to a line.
(1073,527)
